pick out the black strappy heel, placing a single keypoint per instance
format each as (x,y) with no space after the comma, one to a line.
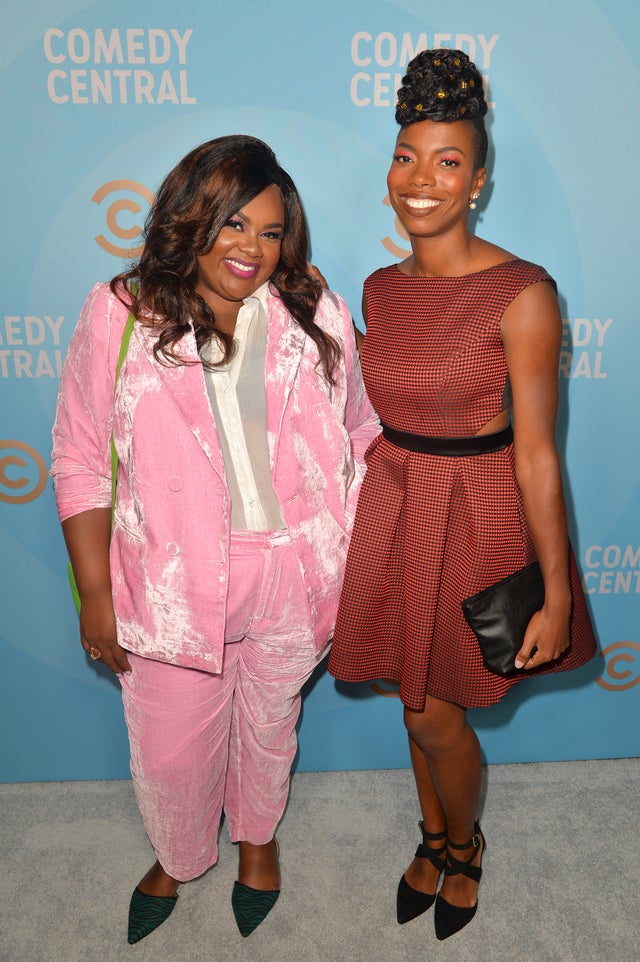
(449,918)
(410,903)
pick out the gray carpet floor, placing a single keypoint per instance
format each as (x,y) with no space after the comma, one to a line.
(561,881)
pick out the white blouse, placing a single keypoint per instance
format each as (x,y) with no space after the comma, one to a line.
(238,398)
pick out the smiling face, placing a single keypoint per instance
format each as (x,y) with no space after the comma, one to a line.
(433,177)
(245,254)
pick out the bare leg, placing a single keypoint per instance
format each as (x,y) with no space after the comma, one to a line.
(421,874)
(449,773)
(259,866)
(157,882)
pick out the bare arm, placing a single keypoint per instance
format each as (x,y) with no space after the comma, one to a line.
(531,334)
(87,536)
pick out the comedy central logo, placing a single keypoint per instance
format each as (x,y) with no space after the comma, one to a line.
(622,666)
(390,245)
(23,473)
(126,200)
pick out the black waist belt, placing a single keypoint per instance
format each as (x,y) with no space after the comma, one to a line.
(450,447)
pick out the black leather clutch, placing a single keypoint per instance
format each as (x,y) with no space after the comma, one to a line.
(499,616)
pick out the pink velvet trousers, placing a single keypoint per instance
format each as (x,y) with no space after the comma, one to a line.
(200,742)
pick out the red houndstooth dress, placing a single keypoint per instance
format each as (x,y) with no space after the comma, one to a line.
(431,530)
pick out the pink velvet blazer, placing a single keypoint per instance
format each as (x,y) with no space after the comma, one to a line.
(170,540)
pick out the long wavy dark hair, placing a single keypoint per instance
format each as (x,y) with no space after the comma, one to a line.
(196,199)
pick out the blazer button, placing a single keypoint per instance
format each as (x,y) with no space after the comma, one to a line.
(175,483)
(172,548)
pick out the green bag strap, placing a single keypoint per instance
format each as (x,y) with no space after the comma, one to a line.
(124,347)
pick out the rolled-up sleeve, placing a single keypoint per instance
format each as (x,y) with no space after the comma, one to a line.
(81,458)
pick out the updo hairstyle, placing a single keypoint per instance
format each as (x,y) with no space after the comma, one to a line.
(444,86)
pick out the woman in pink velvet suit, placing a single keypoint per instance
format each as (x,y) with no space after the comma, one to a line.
(240,421)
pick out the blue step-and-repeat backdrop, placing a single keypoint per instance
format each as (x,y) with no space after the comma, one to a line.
(100,99)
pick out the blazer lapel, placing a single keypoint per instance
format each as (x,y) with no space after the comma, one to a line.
(183,385)
(285,344)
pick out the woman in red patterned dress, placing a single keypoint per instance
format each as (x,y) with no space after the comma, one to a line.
(463,486)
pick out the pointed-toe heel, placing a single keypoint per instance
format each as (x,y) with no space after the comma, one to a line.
(251,906)
(147,912)
(410,903)
(449,918)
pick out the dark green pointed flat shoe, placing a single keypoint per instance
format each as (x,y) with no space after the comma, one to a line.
(251,906)
(147,912)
